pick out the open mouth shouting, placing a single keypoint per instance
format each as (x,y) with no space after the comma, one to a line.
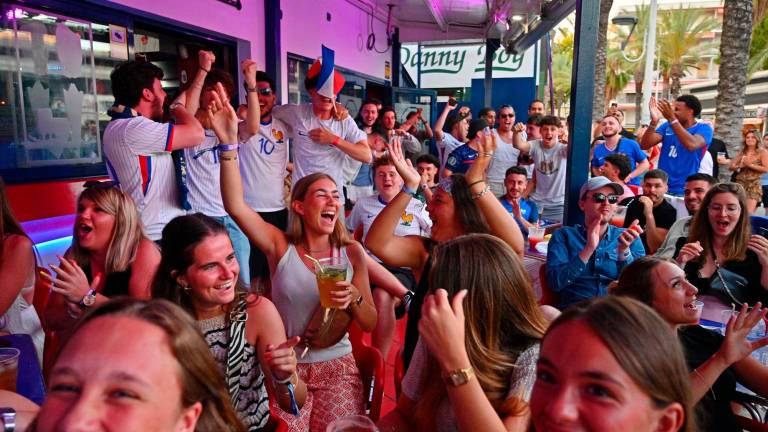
(328,217)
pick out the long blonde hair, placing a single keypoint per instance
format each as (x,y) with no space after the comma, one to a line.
(735,248)
(502,319)
(339,236)
(126,236)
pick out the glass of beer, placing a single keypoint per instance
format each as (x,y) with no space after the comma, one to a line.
(330,271)
(9,367)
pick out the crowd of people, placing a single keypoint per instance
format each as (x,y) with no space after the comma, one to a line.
(205,249)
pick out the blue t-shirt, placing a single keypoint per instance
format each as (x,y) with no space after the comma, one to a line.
(528,209)
(461,159)
(677,161)
(625,146)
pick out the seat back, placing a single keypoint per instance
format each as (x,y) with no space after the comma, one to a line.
(370,363)
(548,297)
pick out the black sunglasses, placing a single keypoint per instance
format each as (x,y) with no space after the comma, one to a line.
(95,184)
(600,198)
(506,116)
(266,91)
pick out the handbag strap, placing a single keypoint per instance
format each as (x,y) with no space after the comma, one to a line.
(725,285)
(236,348)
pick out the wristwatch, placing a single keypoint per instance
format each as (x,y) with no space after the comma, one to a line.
(458,377)
(89,299)
(9,419)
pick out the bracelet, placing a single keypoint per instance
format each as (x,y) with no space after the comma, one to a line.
(336,141)
(206,70)
(481,193)
(674,121)
(224,158)
(486,154)
(475,182)
(408,190)
(285,381)
(227,147)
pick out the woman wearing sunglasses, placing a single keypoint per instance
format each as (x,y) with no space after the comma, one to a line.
(583,260)
(460,205)
(110,256)
(720,256)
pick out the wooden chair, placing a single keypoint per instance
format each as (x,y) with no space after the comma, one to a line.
(548,297)
(370,363)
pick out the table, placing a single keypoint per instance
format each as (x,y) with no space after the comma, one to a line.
(30,382)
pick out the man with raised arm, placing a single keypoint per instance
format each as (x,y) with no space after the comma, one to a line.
(321,141)
(457,124)
(684,139)
(137,146)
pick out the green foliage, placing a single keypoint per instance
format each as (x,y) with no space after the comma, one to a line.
(758,49)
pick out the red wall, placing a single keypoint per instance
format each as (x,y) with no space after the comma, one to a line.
(44,200)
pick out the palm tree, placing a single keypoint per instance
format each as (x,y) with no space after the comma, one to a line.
(618,73)
(732,84)
(680,47)
(562,64)
(598,101)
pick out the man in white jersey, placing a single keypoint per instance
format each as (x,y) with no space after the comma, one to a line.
(263,167)
(414,221)
(549,159)
(321,142)
(202,160)
(137,147)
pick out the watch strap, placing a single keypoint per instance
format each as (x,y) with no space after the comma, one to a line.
(458,377)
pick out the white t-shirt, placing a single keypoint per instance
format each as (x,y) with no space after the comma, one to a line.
(549,166)
(504,157)
(707,165)
(263,162)
(445,147)
(203,176)
(415,220)
(310,157)
(138,155)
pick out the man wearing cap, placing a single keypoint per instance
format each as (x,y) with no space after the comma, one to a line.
(583,260)
(464,156)
(321,142)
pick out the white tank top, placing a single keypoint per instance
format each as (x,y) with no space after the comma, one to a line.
(295,295)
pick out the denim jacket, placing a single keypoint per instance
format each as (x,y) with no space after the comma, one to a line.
(576,280)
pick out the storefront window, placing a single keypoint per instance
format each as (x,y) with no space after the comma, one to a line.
(54,91)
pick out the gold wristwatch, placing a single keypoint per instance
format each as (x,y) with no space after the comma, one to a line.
(458,377)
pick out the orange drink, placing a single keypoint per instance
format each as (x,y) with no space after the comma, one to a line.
(618,217)
(9,366)
(535,236)
(331,270)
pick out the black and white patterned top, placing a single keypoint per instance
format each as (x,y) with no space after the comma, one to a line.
(252,403)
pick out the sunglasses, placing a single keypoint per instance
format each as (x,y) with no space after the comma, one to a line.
(600,198)
(96,184)
(506,116)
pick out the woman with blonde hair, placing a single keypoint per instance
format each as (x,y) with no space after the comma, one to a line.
(748,166)
(17,277)
(474,365)
(103,376)
(110,256)
(315,232)
(720,256)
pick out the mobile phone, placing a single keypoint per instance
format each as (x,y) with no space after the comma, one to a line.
(452,102)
